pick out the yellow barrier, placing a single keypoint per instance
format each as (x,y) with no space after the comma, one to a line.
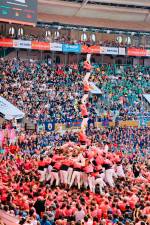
(129,123)
(98,125)
(111,124)
(148,124)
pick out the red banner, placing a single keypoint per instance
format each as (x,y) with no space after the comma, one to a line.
(136,52)
(85,49)
(40,45)
(92,49)
(6,43)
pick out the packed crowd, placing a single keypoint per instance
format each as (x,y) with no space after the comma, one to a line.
(106,182)
(52,93)
(67,39)
(95,177)
(123,90)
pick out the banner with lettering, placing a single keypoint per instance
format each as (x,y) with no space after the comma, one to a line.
(6,42)
(22,44)
(71,48)
(56,47)
(37,45)
(109,50)
(136,52)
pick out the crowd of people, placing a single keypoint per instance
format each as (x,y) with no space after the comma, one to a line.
(52,93)
(106,182)
(49,178)
(67,39)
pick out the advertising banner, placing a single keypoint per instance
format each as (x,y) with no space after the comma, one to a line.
(56,47)
(22,44)
(94,49)
(36,45)
(6,42)
(109,50)
(122,51)
(148,52)
(71,48)
(136,52)
(91,49)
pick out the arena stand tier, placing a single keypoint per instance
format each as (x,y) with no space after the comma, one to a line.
(31,181)
(65,39)
(52,93)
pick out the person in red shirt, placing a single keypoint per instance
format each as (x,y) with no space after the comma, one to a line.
(82,137)
(86,88)
(84,114)
(87,66)
(77,171)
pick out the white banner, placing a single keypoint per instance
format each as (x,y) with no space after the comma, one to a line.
(9,110)
(148,52)
(109,50)
(122,51)
(22,44)
(94,89)
(56,47)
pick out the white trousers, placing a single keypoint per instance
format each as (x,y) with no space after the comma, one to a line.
(76,176)
(86,77)
(84,98)
(109,177)
(54,177)
(63,176)
(120,171)
(84,179)
(101,184)
(48,173)
(91,181)
(42,174)
(70,171)
(84,124)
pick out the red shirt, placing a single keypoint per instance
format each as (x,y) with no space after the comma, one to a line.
(86,87)
(82,136)
(83,109)
(87,66)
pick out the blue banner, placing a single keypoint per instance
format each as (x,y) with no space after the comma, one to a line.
(49,126)
(71,48)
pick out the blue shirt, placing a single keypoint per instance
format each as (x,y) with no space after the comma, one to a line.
(45,222)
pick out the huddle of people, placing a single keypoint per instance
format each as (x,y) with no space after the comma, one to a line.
(103,183)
